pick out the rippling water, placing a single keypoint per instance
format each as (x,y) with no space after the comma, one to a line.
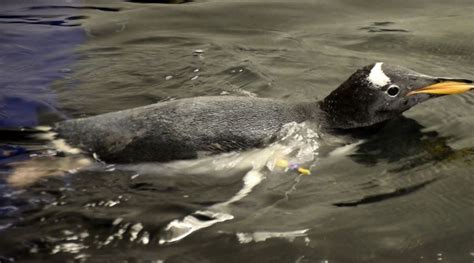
(401,194)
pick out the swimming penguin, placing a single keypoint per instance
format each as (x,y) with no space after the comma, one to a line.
(184,128)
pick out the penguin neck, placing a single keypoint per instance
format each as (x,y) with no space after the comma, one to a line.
(340,112)
(312,111)
(328,114)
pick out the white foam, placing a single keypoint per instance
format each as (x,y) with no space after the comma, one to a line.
(43,128)
(179,229)
(251,179)
(377,76)
(346,149)
(61,145)
(263,236)
(297,144)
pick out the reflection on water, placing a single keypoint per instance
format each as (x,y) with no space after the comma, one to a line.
(401,138)
(38,51)
(392,194)
(160,1)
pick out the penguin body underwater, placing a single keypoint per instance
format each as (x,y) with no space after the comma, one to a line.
(184,128)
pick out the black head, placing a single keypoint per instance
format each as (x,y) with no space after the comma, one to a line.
(380,92)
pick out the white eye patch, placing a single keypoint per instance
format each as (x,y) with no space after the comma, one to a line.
(377,76)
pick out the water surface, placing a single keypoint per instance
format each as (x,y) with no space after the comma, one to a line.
(401,194)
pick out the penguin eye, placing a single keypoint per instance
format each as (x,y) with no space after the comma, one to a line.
(393,90)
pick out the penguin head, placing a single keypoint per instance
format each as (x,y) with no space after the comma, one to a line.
(379,92)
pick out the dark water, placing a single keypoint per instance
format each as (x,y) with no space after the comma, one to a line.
(402,194)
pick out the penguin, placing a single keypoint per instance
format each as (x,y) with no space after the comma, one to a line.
(187,128)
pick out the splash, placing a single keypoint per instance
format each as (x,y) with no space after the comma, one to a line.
(295,142)
(263,236)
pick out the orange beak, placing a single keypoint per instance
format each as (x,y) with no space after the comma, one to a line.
(444,88)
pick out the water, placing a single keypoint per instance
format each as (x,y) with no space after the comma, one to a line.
(402,194)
